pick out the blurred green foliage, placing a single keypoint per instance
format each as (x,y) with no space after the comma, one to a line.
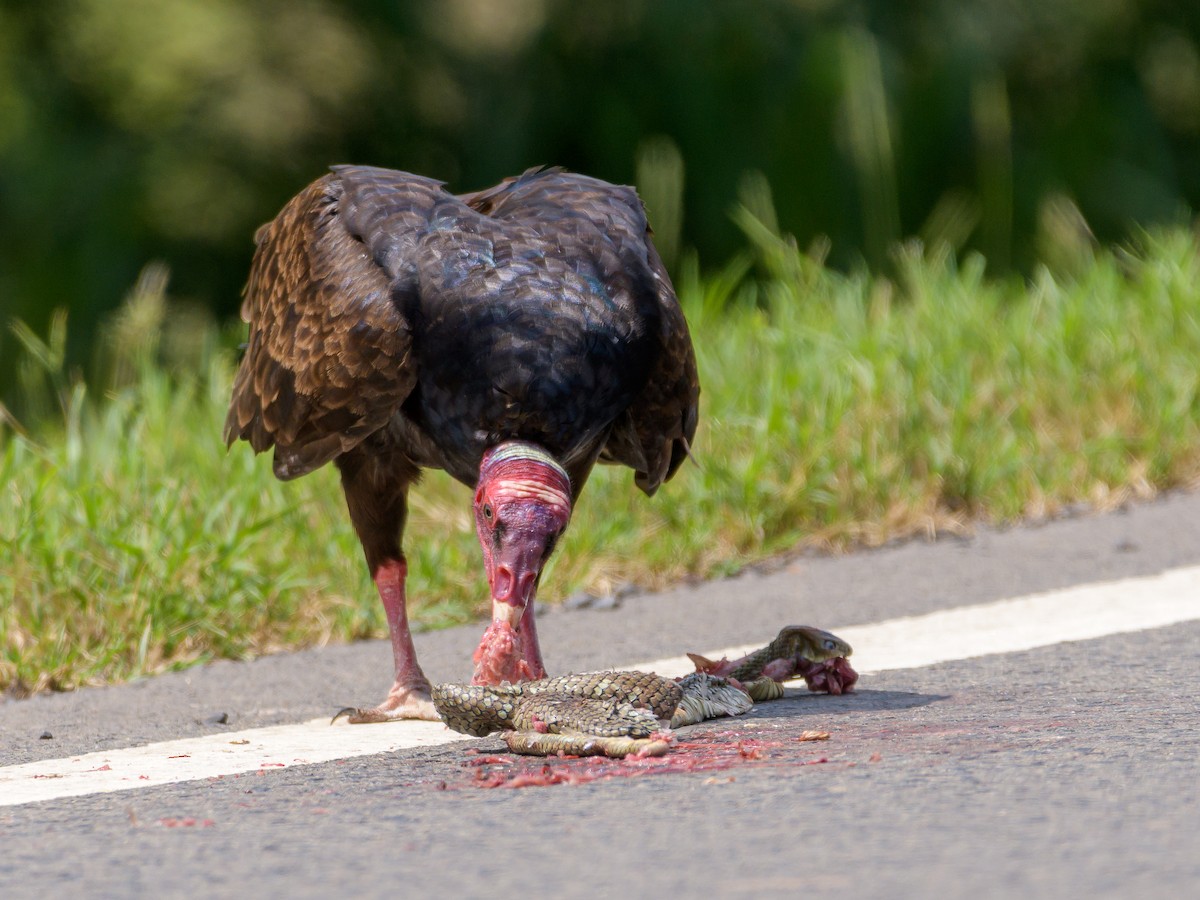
(140,130)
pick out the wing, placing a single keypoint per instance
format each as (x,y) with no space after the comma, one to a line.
(654,435)
(329,358)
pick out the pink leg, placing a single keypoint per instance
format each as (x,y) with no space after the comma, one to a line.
(410,696)
(529,643)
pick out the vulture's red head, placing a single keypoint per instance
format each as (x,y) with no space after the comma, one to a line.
(522,505)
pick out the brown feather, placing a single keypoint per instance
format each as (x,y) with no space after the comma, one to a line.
(331,357)
(328,356)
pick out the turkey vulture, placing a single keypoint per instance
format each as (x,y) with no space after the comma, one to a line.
(511,337)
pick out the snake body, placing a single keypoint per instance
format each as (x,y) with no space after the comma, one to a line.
(623,713)
(794,643)
(601,703)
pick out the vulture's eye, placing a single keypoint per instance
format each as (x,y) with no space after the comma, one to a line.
(487,511)
(829,645)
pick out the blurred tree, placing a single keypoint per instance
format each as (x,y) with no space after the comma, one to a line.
(135,130)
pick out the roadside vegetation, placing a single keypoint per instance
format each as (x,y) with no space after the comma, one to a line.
(838,410)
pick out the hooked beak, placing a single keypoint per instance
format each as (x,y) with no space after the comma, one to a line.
(515,572)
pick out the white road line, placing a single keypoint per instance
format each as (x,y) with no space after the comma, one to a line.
(1074,614)
(211,756)
(1077,613)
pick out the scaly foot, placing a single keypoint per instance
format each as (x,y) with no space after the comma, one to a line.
(408,701)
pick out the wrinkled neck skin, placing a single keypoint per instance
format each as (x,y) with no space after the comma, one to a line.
(514,554)
(522,505)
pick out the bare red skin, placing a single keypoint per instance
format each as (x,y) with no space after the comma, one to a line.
(522,505)
(390,580)
(409,697)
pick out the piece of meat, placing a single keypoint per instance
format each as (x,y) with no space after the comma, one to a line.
(833,676)
(502,655)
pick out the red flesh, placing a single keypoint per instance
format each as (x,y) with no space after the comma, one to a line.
(708,752)
(833,676)
(502,656)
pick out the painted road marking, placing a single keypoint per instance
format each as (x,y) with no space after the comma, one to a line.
(210,756)
(1077,613)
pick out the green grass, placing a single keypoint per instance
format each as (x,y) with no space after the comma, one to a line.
(837,410)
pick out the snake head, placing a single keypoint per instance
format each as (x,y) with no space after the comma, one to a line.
(814,644)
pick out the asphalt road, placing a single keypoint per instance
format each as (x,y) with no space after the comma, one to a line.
(1067,770)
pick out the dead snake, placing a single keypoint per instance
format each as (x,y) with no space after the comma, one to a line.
(624,713)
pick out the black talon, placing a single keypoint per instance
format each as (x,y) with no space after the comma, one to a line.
(347,712)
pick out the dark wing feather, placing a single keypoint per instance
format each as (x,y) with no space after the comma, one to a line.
(329,358)
(655,433)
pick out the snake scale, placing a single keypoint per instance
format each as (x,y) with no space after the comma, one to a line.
(630,713)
